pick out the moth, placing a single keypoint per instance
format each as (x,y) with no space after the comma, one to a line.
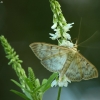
(64,60)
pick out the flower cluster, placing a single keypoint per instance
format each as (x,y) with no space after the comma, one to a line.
(60,26)
(63,82)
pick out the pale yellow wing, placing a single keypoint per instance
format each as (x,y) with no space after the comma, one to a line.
(80,68)
(54,63)
(52,57)
(74,72)
(88,69)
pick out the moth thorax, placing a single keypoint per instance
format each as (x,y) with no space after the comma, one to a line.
(71,54)
(74,49)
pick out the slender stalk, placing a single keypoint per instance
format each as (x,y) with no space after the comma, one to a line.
(59,93)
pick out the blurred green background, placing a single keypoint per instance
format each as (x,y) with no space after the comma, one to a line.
(25,21)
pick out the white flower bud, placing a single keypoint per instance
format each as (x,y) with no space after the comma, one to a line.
(54,83)
(67,36)
(66,44)
(63,82)
(54,26)
(67,27)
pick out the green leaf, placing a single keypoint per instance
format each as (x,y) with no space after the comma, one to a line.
(27,92)
(19,85)
(48,84)
(29,84)
(39,88)
(44,87)
(20,94)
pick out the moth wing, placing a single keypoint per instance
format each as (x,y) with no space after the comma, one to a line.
(54,63)
(89,71)
(44,50)
(74,71)
(52,57)
(80,68)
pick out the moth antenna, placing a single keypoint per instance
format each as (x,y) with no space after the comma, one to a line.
(79,31)
(88,39)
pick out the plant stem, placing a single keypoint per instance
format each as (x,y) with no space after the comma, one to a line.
(59,92)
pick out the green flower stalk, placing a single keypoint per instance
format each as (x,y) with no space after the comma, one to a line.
(30,85)
(14,59)
(16,65)
(60,26)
